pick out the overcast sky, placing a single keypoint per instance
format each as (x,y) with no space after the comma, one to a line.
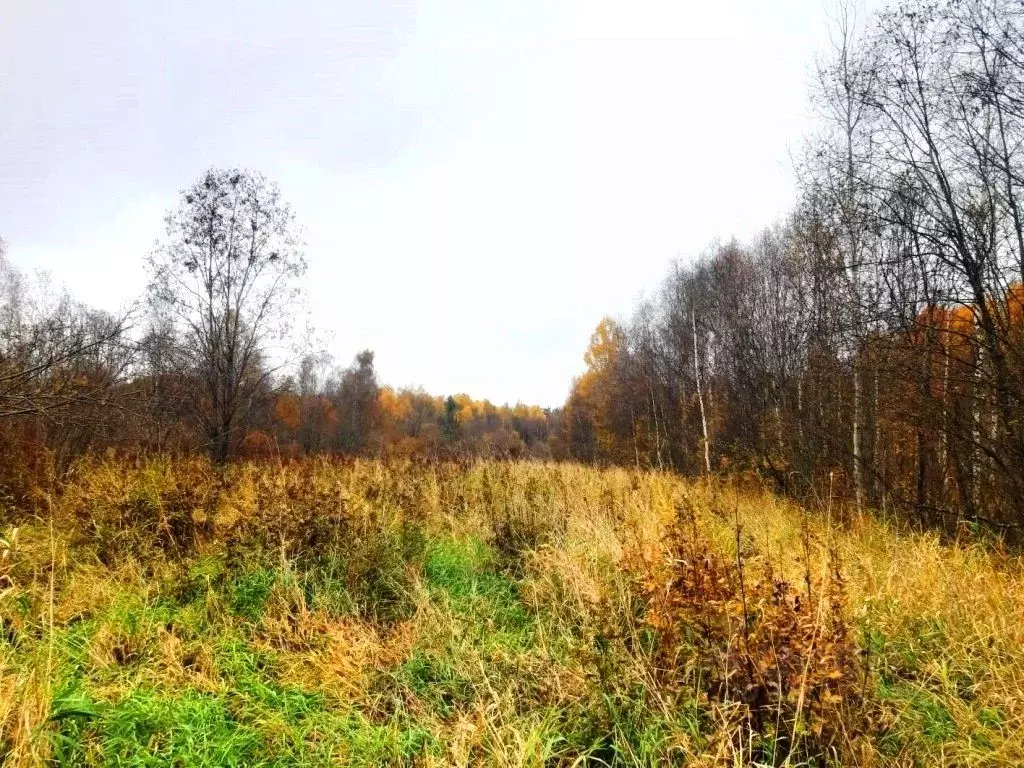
(477,182)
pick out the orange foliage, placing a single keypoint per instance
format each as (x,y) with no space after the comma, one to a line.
(287,411)
(257,444)
(392,407)
(950,329)
(408,422)
(328,413)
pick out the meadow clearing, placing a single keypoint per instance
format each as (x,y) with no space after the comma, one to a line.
(164,612)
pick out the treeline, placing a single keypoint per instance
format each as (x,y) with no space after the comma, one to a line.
(74,379)
(873,343)
(321,409)
(60,365)
(205,360)
(349,413)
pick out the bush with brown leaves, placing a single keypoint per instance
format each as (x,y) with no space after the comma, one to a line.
(779,664)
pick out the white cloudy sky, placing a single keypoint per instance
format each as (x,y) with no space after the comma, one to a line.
(478,182)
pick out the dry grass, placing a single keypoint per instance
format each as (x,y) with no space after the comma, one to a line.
(321,613)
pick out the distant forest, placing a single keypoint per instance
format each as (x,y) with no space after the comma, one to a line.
(871,345)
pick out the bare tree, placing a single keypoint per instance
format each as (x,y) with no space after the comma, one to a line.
(844,150)
(55,353)
(225,277)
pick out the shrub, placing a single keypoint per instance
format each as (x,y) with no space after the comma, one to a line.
(778,663)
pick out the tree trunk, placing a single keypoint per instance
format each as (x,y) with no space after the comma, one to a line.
(700,397)
(857,457)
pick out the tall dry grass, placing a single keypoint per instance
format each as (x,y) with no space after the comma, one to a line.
(320,612)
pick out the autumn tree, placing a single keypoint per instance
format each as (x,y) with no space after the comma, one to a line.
(356,404)
(599,418)
(319,413)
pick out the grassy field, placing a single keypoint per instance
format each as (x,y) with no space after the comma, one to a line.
(321,613)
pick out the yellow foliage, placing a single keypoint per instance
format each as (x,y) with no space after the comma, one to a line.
(606,343)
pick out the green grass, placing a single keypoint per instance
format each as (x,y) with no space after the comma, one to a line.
(463,575)
(250,591)
(254,719)
(147,728)
(109,711)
